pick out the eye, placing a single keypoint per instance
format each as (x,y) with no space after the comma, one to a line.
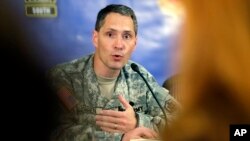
(110,34)
(127,36)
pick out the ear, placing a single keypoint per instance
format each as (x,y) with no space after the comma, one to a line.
(135,43)
(95,38)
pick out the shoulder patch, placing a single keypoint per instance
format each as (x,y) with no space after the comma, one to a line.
(67,98)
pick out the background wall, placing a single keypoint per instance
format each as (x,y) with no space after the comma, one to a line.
(68,36)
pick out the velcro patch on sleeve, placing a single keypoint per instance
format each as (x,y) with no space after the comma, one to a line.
(67,98)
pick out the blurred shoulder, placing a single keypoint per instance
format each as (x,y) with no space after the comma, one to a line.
(73,66)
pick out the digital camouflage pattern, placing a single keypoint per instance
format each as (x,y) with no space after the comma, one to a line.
(77,89)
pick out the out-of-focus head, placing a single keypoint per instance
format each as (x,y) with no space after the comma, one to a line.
(215,67)
(215,46)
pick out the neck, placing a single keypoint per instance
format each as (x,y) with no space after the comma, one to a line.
(107,73)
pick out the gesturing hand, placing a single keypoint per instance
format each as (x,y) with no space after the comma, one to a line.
(117,121)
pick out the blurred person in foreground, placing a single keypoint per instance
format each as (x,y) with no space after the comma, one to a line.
(101,92)
(215,54)
(25,96)
(215,67)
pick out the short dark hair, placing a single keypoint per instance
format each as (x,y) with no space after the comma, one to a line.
(115,8)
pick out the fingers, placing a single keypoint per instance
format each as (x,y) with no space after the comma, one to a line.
(109,119)
(109,122)
(112,113)
(147,133)
(124,102)
(125,119)
(114,128)
(140,132)
(109,126)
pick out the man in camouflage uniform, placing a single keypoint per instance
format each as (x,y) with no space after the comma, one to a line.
(100,95)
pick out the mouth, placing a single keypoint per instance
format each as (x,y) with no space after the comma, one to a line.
(117,56)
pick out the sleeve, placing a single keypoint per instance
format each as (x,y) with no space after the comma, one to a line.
(60,83)
(155,119)
(68,127)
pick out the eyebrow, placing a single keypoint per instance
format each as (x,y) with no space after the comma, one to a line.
(126,31)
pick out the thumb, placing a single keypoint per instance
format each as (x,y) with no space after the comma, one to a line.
(124,102)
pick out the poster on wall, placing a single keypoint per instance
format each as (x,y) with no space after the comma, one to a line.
(41,8)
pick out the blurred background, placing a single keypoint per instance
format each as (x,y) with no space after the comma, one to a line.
(65,34)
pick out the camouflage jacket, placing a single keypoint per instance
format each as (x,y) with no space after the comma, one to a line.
(77,89)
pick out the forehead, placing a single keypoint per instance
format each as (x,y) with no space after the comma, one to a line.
(118,22)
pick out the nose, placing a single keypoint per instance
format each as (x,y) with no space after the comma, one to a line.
(119,43)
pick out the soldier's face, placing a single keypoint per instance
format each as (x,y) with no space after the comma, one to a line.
(115,41)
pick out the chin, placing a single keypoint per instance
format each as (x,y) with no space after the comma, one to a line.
(116,66)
